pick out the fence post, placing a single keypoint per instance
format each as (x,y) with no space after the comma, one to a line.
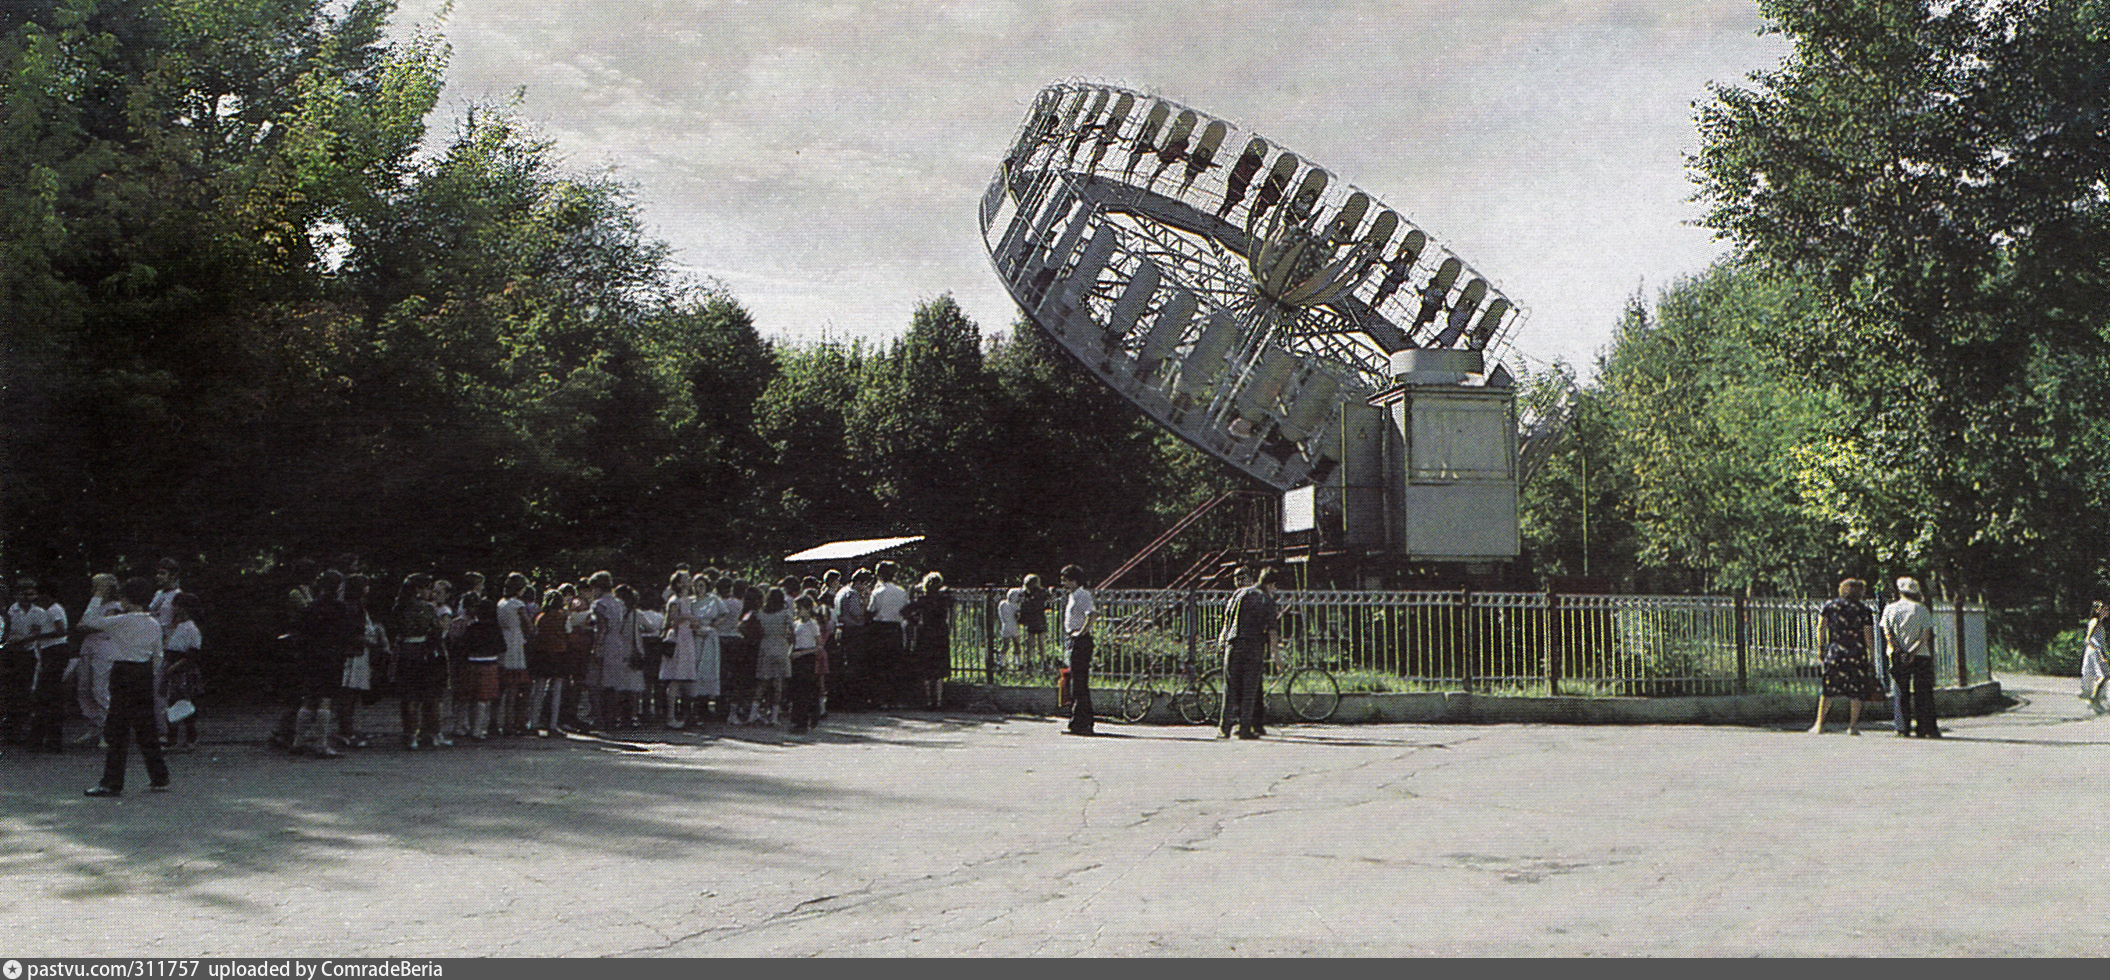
(1963,659)
(989,639)
(1743,644)
(1465,638)
(1193,628)
(1549,637)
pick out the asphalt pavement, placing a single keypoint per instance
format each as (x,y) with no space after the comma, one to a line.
(958,834)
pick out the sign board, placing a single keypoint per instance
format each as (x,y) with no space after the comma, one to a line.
(1300,509)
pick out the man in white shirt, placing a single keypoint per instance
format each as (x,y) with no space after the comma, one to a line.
(884,646)
(47,627)
(135,643)
(167,583)
(1077,633)
(18,662)
(1908,633)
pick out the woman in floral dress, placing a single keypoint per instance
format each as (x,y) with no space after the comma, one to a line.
(1849,630)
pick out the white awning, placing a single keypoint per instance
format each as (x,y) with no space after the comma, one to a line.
(846,550)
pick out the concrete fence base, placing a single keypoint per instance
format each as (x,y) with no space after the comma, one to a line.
(1455,708)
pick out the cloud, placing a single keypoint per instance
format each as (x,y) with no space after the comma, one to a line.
(824,159)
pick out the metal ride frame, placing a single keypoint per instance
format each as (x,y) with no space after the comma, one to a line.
(1237,294)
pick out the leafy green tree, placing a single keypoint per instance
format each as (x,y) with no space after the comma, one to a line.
(1936,174)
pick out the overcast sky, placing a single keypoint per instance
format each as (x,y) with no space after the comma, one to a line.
(824,160)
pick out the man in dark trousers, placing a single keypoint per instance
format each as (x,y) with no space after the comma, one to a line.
(1908,633)
(1077,633)
(1249,642)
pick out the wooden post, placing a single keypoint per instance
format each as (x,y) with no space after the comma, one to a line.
(1743,644)
(1550,636)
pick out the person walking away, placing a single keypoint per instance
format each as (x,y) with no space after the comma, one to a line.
(135,641)
(1908,631)
(930,662)
(1249,643)
(1077,633)
(804,685)
(421,662)
(886,633)
(2093,672)
(1849,670)
(183,674)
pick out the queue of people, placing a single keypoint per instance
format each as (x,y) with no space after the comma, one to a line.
(474,663)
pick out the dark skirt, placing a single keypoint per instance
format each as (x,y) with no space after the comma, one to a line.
(1849,674)
(931,660)
(421,673)
(544,662)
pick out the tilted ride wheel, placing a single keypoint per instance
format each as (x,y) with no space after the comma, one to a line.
(1313,693)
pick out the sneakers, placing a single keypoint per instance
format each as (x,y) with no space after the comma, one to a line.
(102,791)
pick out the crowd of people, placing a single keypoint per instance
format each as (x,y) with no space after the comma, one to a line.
(471,662)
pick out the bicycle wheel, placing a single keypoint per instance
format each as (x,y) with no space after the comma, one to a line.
(1203,703)
(1133,703)
(1187,703)
(1313,693)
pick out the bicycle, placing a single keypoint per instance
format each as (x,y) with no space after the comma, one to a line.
(1310,690)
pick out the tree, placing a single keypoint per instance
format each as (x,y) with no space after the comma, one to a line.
(1939,176)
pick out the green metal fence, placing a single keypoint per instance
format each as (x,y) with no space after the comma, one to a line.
(1521,643)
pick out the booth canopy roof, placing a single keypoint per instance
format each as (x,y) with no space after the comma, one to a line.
(845,550)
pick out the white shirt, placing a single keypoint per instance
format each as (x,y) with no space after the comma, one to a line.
(888,600)
(1077,610)
(510,629)
(1908,621)
(25,620)
(183,638)
(729,617)
(134,637)
(55,633)
(1007,614)
(805,636)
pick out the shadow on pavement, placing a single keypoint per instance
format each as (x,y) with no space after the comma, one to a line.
(237,809)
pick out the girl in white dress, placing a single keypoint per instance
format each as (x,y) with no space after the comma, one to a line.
(677,673)
(709,610)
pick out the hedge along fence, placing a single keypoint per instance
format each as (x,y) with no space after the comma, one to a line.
(1521,643)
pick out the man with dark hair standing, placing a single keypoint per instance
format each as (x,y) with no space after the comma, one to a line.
(1249,641)
(886,648)
(1077,633)
(1908,632)
(18,663)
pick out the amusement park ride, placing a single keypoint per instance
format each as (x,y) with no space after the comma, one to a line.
(1276,317)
